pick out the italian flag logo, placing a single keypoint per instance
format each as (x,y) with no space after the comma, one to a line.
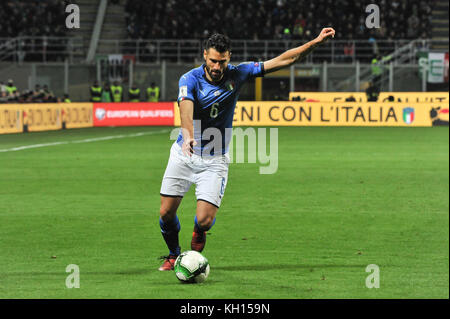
(408,115)
(230,85)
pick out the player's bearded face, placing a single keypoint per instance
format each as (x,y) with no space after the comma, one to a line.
(216,63)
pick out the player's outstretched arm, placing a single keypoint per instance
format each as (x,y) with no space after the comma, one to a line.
(293,55)
(187,127)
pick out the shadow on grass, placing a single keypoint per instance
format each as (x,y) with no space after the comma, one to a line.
(149,270)
(62,273)
(260,267)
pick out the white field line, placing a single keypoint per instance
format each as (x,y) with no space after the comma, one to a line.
(87,140)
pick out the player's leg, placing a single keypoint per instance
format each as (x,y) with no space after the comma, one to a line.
(210,188)
(170,227)
(176,182)
(204,220)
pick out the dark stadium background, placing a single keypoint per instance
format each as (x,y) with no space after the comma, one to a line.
(164,38)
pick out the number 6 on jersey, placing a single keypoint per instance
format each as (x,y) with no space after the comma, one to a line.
(214,110)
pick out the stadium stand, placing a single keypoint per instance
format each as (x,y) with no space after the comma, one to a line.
(41,35)
(39,24)
(145,41)
(27,18)
(276,19)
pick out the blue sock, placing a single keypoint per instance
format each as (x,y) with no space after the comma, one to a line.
(169,231)
(200,229)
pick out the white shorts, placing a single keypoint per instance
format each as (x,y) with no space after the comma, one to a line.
(209,174)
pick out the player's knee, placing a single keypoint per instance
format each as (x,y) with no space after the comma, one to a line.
(205,222)
(166,213)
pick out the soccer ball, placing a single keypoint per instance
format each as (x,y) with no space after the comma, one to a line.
(191,267)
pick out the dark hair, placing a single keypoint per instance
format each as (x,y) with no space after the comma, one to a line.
(219,42)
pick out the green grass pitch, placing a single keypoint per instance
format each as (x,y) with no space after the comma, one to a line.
(342,198)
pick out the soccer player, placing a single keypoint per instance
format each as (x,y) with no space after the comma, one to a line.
(207,98)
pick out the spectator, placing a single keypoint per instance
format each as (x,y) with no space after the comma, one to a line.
(134,93)
(106,93)
(96,92)
(37,94)
(413,24)
(351,98)
(117,92)
(349,51)
(11,88)
(376,69)
(153,93)
(2,87)
(48,95)
(372,92)
(3,97)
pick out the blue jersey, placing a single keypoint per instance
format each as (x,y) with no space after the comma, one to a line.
(214,104)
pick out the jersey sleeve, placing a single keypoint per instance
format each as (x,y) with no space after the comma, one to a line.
(251,69)
(186,87)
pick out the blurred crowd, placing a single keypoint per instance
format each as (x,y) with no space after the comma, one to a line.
(28,18)
(39,32)
(9,93)
(301,20)
(44,19)
(275,19)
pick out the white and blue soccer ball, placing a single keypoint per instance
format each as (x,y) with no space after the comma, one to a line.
(191,267)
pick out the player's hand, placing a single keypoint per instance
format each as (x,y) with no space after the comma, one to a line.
(325,34)
(188,146)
